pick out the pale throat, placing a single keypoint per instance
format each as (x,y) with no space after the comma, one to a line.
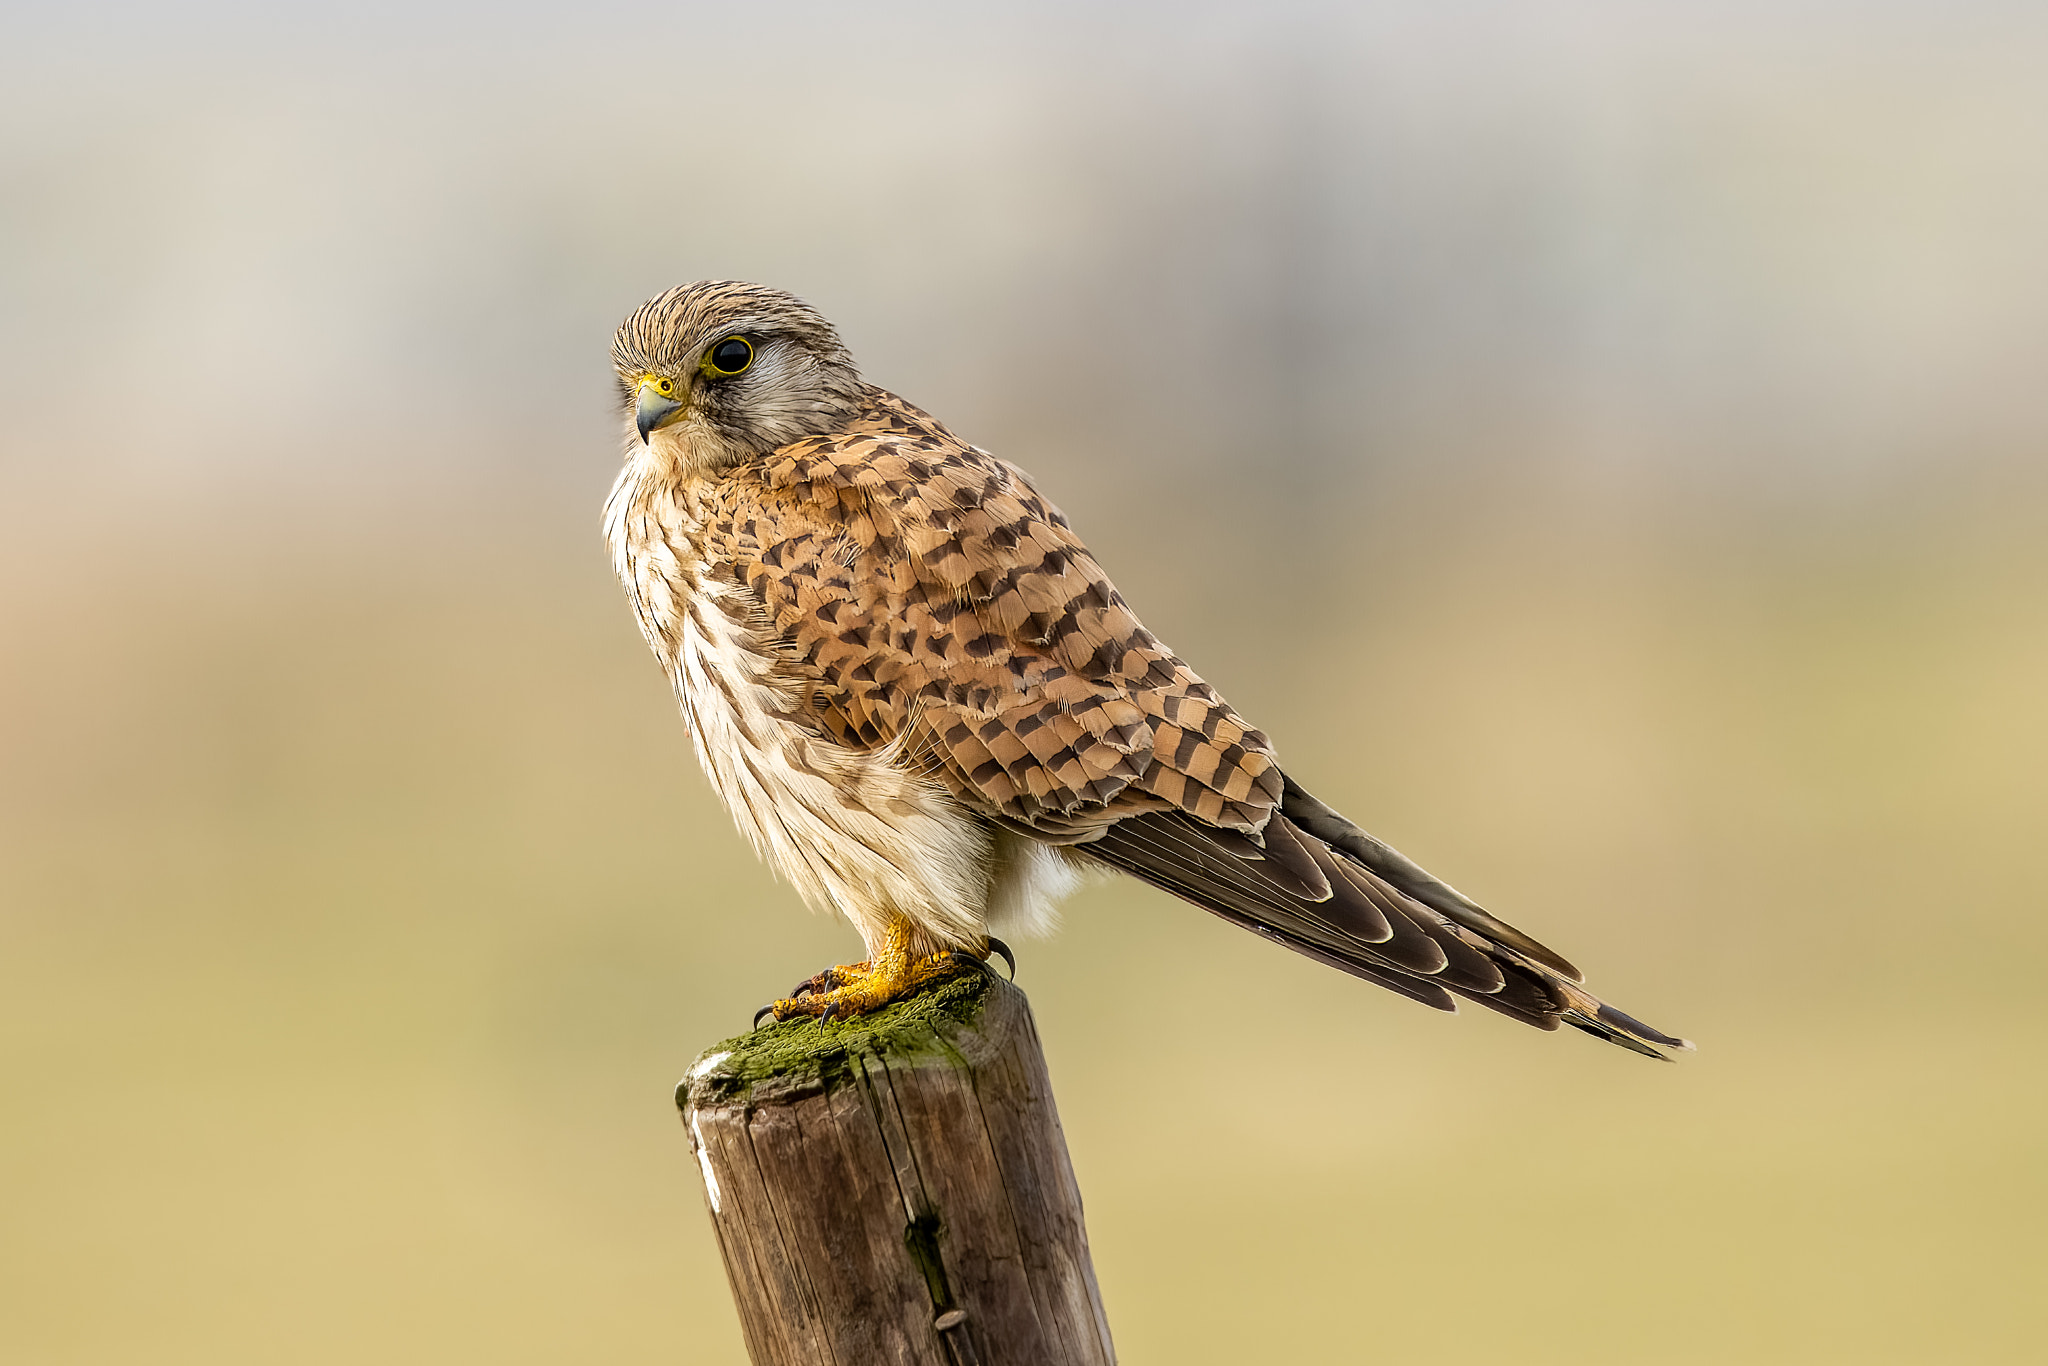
(689,449)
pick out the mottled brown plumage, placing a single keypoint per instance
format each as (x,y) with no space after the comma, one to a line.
(929,593)
(927,704)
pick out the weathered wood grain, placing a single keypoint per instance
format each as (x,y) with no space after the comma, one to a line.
(896,1189)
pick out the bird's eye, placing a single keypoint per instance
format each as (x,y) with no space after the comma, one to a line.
(730,356)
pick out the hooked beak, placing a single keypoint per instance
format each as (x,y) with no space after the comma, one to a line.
(654,411)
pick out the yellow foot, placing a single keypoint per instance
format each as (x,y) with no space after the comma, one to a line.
(833,978)
(859,988)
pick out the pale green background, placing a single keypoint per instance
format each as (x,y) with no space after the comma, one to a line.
(1602,443)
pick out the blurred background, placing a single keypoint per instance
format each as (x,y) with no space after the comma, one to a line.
(1604,443)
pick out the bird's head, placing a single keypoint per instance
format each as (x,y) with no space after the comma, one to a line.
(717,372)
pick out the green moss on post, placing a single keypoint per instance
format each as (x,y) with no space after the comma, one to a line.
(810,1053)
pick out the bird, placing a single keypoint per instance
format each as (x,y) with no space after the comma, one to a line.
(932,713)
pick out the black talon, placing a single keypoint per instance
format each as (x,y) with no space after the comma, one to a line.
(1002,951)
(768,1009)
(824,981)
(968,960)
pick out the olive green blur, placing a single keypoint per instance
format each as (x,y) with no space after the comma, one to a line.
(1604,445)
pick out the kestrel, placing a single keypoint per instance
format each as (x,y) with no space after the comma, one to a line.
(931,711)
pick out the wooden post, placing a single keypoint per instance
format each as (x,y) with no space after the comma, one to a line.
(895,1188)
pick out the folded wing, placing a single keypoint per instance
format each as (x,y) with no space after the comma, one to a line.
(929,599)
